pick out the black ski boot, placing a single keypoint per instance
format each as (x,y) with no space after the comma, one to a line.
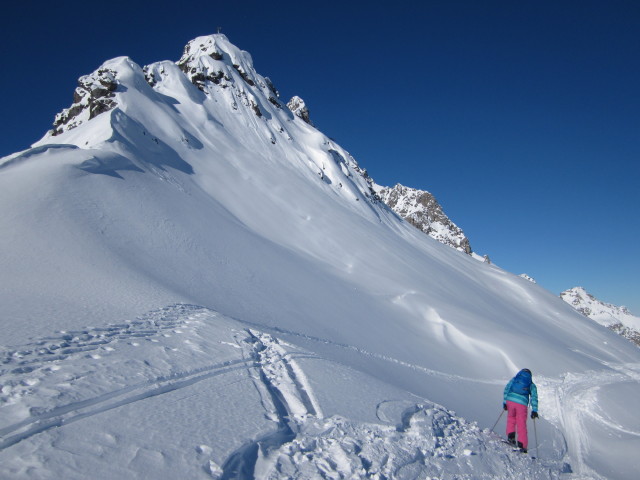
(511,438)
(521,447)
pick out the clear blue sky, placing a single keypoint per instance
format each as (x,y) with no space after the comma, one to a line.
(522,117)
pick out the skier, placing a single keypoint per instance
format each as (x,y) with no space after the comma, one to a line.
(519,392)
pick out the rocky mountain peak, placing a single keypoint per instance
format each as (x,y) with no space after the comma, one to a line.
(203,46)
(212,59)
(422,210)
(299,108)
(210,63)
(616,318)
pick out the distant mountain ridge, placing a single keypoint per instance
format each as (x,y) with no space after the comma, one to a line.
(618,319)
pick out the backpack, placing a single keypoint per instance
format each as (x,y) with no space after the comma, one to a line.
(522,383)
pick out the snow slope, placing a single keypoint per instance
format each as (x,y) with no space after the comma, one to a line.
(194,279)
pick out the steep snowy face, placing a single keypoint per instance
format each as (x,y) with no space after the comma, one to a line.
(422,210)
(618,319)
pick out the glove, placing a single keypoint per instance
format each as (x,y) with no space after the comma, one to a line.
(504,406)
(534,414)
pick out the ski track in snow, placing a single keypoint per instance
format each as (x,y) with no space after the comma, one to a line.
(428,439)
(287,396)
(573,405)
(73,412)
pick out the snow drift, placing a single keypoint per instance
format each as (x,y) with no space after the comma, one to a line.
(181,237)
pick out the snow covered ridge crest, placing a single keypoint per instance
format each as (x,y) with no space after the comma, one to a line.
(207,62)
(211,99)
(618,319)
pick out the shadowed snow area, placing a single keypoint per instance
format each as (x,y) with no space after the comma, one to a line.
(198,283)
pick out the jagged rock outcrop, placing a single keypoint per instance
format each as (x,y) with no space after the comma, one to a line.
(211,63)
(93,95)
(299,108)
(422,210)
(618,319)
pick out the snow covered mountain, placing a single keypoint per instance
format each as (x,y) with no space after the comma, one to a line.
(618,319)
(421,209)
(198,283)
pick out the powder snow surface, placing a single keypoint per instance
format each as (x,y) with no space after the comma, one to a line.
(197,283)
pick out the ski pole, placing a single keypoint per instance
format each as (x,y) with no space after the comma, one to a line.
(535,432)
(494,425)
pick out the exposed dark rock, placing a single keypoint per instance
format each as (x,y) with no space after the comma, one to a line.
(244,75)
(275,102)
(200,79)
(99,106)
(94,93)
(256,108)
(271,87)
(150,77)
(188,57)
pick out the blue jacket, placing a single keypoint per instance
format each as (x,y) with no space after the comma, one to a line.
(522,399)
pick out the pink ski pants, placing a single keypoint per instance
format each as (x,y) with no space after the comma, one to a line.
(517,421)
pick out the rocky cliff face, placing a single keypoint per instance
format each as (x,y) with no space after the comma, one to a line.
(299,108)
(422,210)
(618,319)
(93,95)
